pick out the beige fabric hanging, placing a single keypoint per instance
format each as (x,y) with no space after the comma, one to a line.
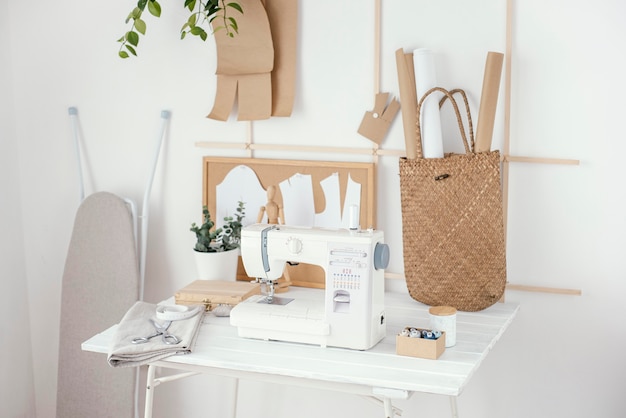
(283,15)
(257,65)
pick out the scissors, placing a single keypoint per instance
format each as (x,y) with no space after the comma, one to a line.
(161,330)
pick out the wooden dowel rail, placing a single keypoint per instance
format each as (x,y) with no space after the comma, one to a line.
(543,289)
(563,161)
(513,286)
(374,151)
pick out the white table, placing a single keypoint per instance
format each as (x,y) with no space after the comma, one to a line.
(378,373)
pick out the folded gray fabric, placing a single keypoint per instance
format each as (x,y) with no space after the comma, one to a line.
(136,323)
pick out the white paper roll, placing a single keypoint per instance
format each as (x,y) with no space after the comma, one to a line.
(425,79)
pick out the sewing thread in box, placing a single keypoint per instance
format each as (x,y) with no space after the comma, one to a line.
(420,347)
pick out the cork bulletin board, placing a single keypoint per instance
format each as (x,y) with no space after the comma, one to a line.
(272,172)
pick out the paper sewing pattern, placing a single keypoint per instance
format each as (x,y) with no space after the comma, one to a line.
(299,204)
(376,123)
(330,217)
(298,201)
(240,184)
(297,198)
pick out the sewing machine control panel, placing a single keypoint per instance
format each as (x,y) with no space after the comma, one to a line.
(348,266)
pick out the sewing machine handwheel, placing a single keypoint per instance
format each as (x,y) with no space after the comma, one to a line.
(381,256)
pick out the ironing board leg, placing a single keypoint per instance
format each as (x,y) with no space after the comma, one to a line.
(149,391)
(453,407)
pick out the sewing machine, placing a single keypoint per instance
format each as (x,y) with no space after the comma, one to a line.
(351,313)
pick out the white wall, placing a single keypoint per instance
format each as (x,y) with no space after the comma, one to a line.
(562,355)
(17,391)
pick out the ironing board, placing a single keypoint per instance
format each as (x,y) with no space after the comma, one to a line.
(100,283)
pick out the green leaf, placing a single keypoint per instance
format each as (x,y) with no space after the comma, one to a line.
(132,38)
(142,4)
(235,6)
(154,8)
(192,20)
(131,50)
(140,25)
(211,7)
(183,34)
(196,30)
(123,54)
(203,35)
(136,13)
(122,39)
(190,4)
(233,24)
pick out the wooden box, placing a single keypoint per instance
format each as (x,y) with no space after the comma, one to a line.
(213,293)
(420,347)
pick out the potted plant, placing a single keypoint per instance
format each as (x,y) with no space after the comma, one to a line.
(202,12)
(217,249)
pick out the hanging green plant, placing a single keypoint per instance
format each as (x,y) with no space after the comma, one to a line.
(203,13)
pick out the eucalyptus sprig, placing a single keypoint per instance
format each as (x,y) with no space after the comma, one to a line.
(207,11)
(212,240)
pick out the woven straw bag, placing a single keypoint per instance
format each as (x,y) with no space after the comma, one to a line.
(452,223)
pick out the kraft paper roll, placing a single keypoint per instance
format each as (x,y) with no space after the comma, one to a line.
(488,101)
(408,100)
(425,79)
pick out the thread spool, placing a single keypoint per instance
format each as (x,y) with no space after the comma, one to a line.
(443,318)
(413,333)
(354,217)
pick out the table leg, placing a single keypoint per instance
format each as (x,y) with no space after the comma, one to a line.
(388,408)
(149,391)
(235,397)
(453,407)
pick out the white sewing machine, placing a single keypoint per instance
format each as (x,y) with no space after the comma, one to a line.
(352,312)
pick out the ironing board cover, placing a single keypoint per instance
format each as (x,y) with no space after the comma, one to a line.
(100,283)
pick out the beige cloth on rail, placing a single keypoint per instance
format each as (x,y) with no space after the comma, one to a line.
(136,323)
(258,65)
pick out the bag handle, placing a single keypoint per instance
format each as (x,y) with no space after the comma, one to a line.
(469,147)
(470,126)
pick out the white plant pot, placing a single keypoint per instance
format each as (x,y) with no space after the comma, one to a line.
(217,266)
